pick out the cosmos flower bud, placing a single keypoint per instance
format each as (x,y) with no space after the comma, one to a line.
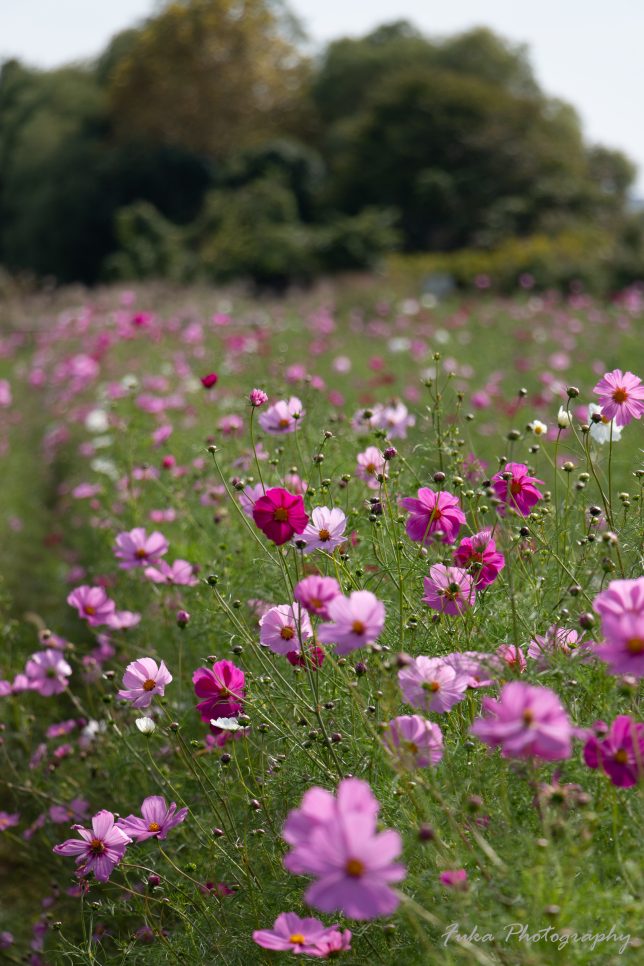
(563,418)
(209,380)
(145,725)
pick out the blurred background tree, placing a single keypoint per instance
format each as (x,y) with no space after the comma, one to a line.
(207,144)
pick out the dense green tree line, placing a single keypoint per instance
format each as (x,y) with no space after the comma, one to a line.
(206,144)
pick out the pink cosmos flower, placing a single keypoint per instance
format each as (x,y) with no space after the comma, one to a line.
(454,878)
(433,513)
(513,656)
(78,808)
(99,849)
(92,604)
(280,514)
(311,656)
(180,573)
(282,417)
(308,936)
(413,741)
(478,668)
(157,819)
(315,594)
(621,395)
(209,380)
(620,754)
(516,488)
(526,722)
(371,465)
(556,640)
(221,688)
(621,607)
(8,820)
(135,548)
(47,672)
(448,589)
(479,556)
(394,419)
(143,679)
(257,397)
(431,684)
(356,621)
(335,840)
(248,498)
(282,628)
(325,529)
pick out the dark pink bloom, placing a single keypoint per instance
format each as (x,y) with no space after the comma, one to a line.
(526,722)
(621,395)
(99,849)
(432,513)
(620,754)
(221,688)
(92,604)
(513,656)
(449,589)
(356,621)
(454,878)
(134,548)
(316,593)
(516,488)
(282,628)
(209,380)
(479,556)
(308,936)
(413,741)
(157,819)
(47,672)
(143,679)
(180,573)
(335,840)
(313,656)
(431,684)
(280,514)
(257,397)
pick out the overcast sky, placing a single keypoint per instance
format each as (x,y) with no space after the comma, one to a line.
(587,51)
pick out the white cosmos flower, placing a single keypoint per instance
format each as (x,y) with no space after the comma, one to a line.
(97,421)
(600,432)
(145,725)
(563,418)
(538,428)
(226,724)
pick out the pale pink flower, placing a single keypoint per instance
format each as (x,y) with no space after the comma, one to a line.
(430,684)
(325,529)
(282,628)
(356,621)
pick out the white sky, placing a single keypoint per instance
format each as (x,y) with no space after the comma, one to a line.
(588,52)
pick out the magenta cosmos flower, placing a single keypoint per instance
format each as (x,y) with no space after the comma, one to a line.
(514,486)
(432,513)
(308,936)
(454,878)
(157,819)
(448,589)
(335,840)
(143,679)
(47,672)
(180,573)
(257,397)
(356,621)
(371,465)
(621,395)
(282,628)
(429,683)
(413,741)
(620,754)
(280,514)
(134,548)
(316,593)
(92,604)
(98,849)
(282,417)
(526,722)
(325,529)
(209,380)
(8,820)
(479,556)
(221,689)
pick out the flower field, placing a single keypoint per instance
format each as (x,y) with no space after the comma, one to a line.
(322,628)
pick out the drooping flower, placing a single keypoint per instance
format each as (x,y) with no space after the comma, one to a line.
(621,395)
(325,529)
(99,849)
(47,672)
(280,514)
(282,417)
(371,465)
(526,722)
(449,589)
(134,548)
(307,936)
(413,741)
(620,754)
(335,840)
(605,429)
(282,628)
(143,679)
(180,573)
(430,684)
(356,621)
(433,512)
(315,594)
(92,604)
(157,819)
(514,486)
(221,688)
(479,556)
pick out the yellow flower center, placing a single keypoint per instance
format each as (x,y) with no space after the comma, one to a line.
(635,645)
(284,423)
(280,515)
(90,610)
(154,827)
(149,685)
(620,395)
(287,633)
(528,717)
(354,868)
(297,939)
(141,553)
(358,627)
(96,847)
(324,535)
